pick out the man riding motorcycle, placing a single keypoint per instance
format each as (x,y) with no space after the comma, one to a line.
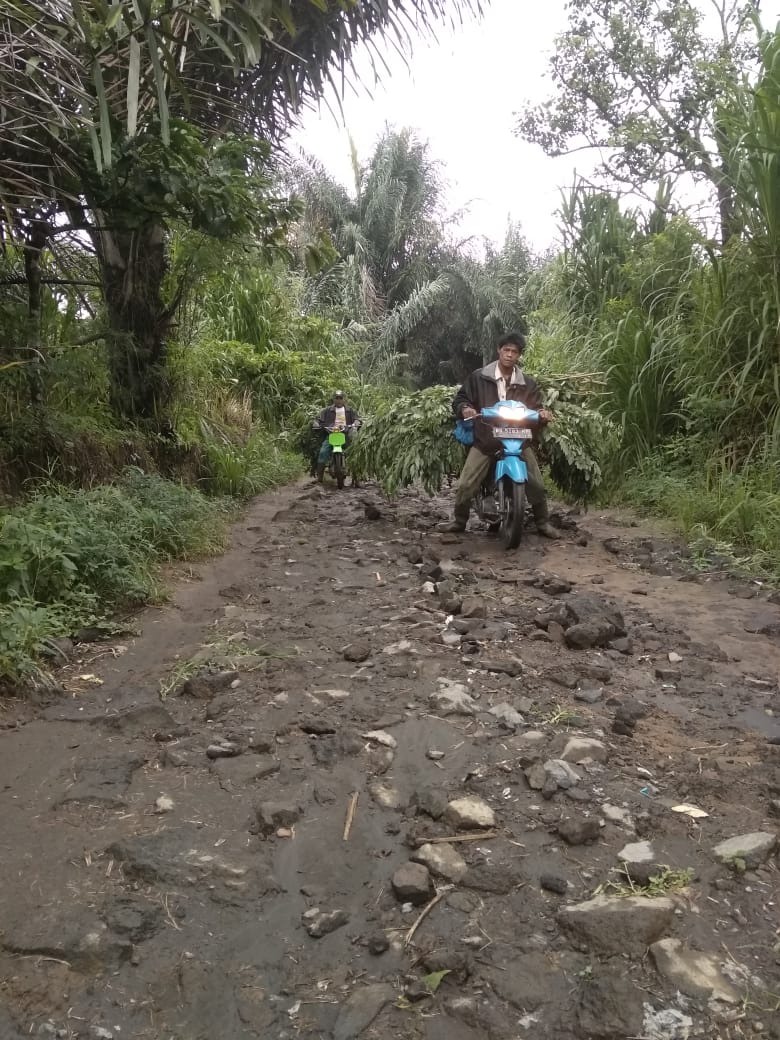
(336,416)
(501,380)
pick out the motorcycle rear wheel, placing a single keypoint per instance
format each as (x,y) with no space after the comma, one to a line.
(339,469)
(512,503)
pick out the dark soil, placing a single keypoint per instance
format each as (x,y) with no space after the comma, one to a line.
(203,824)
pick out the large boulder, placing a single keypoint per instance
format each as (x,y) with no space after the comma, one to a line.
(615,924)
(591,620)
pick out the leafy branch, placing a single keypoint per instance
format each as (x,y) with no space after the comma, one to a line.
(409,441)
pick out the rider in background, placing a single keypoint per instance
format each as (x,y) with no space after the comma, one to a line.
(501,380)
(337,416)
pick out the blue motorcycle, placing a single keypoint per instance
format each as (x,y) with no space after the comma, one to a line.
(501,502)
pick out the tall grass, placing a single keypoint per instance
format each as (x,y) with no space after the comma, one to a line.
(737,358)
(718,509)
(623,297)
(686,332)
(243,470)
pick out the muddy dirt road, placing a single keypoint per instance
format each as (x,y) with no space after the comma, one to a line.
(360,779)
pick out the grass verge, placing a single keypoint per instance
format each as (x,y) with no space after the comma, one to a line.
(70,558)
(730,518)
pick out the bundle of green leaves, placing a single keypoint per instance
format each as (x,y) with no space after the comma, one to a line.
(410,441)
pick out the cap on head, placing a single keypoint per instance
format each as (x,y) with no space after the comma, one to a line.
(338,393)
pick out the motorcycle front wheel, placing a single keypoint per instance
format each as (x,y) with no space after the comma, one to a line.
(512,506)
(339,469)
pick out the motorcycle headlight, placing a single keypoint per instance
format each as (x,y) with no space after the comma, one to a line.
(513,413)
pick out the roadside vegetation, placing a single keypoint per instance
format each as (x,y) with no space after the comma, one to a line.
(673,309)
(179,294)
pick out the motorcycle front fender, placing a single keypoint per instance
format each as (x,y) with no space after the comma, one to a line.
(512,466)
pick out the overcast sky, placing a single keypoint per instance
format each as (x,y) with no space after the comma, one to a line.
(461,94)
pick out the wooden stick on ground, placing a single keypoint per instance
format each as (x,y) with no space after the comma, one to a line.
(350,814)
(482,836)
(441,893)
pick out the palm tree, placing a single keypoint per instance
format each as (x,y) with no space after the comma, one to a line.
(388,235)
(126,116)
(450,325)
(426,308)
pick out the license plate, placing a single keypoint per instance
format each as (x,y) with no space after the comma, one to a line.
(512,433)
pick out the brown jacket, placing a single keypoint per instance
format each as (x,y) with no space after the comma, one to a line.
(481,391)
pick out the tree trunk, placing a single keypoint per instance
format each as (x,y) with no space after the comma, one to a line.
(133,265)
(34,244)
(729,225)
(720,175)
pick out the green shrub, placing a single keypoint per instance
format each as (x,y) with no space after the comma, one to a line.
(285,383)
(69,557)
(25,629)
(729,513)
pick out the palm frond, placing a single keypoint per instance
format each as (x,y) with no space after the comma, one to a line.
(403,320)
(243,65)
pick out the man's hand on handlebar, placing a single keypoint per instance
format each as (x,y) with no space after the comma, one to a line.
(467,412)
(545,415)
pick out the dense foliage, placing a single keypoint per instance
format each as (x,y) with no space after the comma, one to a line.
(678,331)
(429,311)
(121,121)
(152,263)
(177,301)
